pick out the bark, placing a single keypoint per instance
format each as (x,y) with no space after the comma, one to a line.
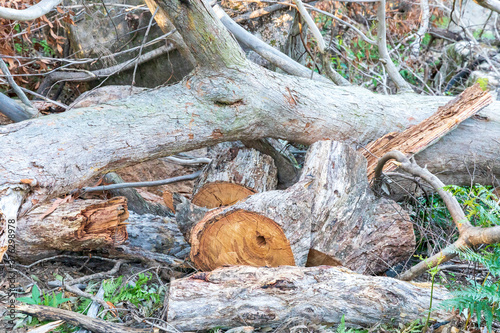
(234,174)
(263,296)
(419,137)
(352,226)
(167,26)
(331,210)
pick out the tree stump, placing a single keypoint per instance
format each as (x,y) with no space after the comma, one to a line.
(234,174)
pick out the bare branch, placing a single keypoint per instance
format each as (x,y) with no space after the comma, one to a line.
(85,76)
(31,13)
(13,110)
(393,72)
(17,90)
(333,75)
(424,25)
(494,5)
(469,234)
(269,53)
(142,184)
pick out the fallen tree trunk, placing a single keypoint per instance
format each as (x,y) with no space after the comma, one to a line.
(331,210)
(262,296)
(341,113)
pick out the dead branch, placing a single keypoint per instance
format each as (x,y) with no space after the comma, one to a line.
(385,59)
(469,235)
(31,13)
(76,319)
(135,202)
(419,137)
(17,90)
(86,76)
(424,25)
(325,57)
(142,184)
(265,51)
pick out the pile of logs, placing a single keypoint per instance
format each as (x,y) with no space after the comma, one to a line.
(330,216)
(280,244)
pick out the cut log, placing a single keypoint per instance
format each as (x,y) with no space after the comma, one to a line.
(73,226)
(234,174)
(331,211)
(420,136)
(239,237)
(288,174)
(268,229)
(263,296)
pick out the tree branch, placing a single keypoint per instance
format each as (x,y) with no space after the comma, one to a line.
(31,13)
(469,234)
(269,53)
(333,75)
(211,44)
(391,69)
(424,25)
(494,5)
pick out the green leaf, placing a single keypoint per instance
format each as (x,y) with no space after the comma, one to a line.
(27,300)
(35,294)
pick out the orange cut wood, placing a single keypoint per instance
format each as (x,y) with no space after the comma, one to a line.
(218,194)
(234,174)
(239,238)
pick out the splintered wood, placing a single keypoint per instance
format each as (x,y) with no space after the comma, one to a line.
(428,132)
(74,226)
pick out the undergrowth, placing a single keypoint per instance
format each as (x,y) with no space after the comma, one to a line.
(475,297)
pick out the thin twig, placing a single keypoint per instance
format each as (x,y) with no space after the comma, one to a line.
(64,106)
(142,184)
(142,45)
